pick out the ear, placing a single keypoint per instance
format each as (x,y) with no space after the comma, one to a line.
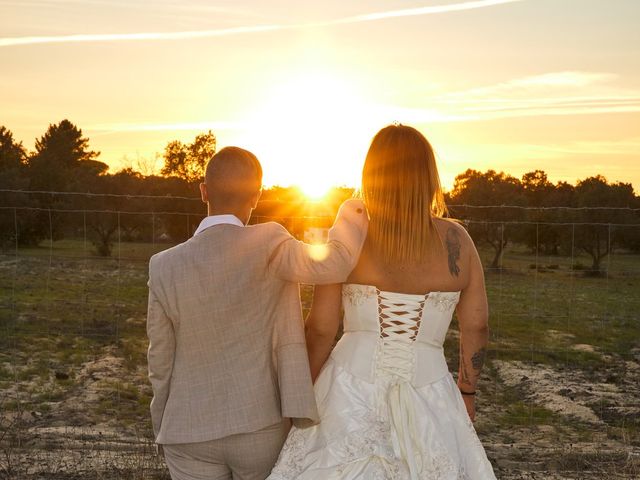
(203,193)
(255,198)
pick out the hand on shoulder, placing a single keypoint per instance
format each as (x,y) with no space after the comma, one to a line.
(353,209)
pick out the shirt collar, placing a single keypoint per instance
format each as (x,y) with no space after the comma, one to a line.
(213,220)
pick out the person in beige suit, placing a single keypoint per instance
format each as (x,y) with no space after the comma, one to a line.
(227,356)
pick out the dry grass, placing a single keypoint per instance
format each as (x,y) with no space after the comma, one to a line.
(559,396)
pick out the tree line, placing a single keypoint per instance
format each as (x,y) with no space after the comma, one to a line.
(593,216)
(72,194)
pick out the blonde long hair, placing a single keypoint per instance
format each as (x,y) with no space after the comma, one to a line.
(401,188)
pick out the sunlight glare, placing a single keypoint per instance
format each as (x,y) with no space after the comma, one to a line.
(312,131)
(315,191)
(318,252)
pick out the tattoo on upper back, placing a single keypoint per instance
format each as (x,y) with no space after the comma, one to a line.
(453,250)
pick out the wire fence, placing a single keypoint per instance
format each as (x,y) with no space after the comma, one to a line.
(559,396)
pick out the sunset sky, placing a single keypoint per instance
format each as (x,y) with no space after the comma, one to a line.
(513,85)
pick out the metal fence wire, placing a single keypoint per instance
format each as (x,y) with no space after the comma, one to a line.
(559,394)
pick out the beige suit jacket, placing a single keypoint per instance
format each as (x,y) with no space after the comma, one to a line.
(227,349)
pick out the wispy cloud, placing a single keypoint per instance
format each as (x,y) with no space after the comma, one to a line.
(548,94)
(630,146)
(168,7)
(545,81)
(111,128)
(149,36)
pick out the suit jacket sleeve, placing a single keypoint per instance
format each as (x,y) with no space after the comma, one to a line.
(160,356)
(295,261)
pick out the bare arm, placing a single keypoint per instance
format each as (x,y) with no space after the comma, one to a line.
(295,261)
(160,356)
(322,325)
(473,315)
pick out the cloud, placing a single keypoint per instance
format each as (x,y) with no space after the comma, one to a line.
(548,94)
(110,128)
(150,36)
(168,8)
(543,81)
(625,147)
(533,108)
(562,79)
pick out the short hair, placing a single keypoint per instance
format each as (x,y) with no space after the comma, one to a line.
(401,188)
(232,174)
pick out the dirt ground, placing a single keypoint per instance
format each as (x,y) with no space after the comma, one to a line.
(568,434)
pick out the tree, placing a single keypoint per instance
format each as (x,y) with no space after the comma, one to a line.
(130,183)
(177,217)
(63,160)
(489,224)
(595,234)
(12,177)
(631,235)
(12,154)
(187,161)
(538,191)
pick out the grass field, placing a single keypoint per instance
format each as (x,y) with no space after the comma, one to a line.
(560,395)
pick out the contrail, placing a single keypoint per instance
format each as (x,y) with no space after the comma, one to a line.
(111,37)
(430,10)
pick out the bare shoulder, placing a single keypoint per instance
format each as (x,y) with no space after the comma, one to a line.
(454,232)
(457,245)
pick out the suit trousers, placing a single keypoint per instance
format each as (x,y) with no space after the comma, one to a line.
(244,456)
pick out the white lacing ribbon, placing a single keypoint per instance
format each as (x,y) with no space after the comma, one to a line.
(402,419)
(399,324)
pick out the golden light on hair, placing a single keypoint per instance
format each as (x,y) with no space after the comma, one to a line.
(233,174)
(401,187)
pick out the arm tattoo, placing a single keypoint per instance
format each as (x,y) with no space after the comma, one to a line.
(453,250)
(464,375)
(478,359)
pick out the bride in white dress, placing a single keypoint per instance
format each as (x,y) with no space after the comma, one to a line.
(389,408)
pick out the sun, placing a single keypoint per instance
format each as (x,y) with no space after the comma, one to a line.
(314,191)
(312,130)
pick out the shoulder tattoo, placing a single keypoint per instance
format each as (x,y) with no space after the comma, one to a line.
(453,250)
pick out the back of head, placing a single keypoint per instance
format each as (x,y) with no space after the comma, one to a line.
(232,176)
(401,188)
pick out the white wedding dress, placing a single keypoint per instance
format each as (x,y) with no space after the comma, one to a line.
(389,408)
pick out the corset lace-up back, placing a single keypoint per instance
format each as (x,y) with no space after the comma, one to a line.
(400,320)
